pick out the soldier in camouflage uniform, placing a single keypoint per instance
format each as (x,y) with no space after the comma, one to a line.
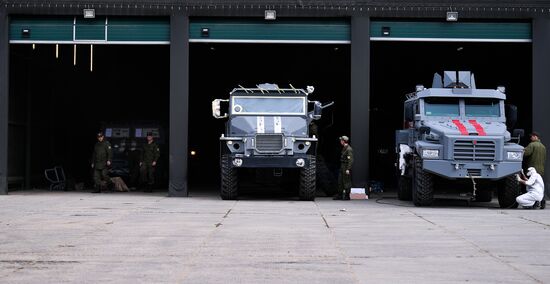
(149,156)
(101,160)
(344,177)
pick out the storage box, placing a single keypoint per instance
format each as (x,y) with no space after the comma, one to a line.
(358,193)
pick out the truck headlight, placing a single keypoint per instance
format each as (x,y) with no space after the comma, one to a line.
(517,156)
(237,162)
(430,154)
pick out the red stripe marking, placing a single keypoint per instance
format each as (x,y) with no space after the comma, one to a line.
(460,126)
(478,127)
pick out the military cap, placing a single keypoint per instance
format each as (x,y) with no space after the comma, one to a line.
(344,138)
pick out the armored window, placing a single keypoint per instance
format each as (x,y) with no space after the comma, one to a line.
(256,105)
(482,107)
(441,107)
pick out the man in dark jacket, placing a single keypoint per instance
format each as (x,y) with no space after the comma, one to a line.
(149,157)
(101,160)
(344,177)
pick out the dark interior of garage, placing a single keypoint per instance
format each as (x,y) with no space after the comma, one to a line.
(64,105)
(397,67)
(59,106)
(215,69)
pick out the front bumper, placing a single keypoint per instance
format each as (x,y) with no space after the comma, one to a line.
(270,161)
(463,169)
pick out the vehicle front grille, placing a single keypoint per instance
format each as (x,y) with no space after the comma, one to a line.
(269,143)
(474,150)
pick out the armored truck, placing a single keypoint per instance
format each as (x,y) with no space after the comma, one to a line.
(267,129)
(456,134)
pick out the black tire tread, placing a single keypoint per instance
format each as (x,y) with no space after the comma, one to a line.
(423,191)
(404,191)
(229,179)
(509,189)
(307,180)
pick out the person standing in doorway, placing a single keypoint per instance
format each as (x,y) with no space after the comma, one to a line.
(149,156)
(101,161)
(344,177)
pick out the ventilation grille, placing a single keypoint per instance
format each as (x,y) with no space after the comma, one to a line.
(269,143)
(473,150)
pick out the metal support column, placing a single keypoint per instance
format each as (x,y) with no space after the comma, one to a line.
(179,104)
(4,95)
(360,100)
(541,76)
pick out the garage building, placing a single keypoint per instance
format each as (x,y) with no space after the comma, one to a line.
(69,66)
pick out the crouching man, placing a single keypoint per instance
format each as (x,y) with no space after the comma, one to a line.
(534,198)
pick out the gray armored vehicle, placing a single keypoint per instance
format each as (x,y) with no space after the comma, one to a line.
(456,134)
(267,129)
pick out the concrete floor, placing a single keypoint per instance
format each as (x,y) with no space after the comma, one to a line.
(78,237)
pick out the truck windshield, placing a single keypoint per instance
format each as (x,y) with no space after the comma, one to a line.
(269,105)
(441,107)
(482,107)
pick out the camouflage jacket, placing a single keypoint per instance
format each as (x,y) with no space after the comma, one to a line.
(150,153)
(346,158)
(535,154)
(102,153)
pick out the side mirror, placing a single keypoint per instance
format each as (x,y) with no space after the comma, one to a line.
(518,133)
(424,130)
(511,116)
(216,109)
(317,110)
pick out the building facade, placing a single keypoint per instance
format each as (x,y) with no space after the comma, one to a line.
(354,23)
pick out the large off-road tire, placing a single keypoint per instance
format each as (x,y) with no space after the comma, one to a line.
(325,179)
(229,179)
(484,195)
(307,180)
(508,189)
(404,190)
(423,185)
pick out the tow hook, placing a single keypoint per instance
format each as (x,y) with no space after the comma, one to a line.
(474,187)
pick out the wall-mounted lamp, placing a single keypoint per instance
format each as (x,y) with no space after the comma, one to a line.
(452,16)
(386,31)
(89,13)
(270,15)
(205,32)
(26,32)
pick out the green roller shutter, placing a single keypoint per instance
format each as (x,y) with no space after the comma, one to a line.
(277,31)
(450,31)
(144,30)
(90,29)
(41,29)
(100,30)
